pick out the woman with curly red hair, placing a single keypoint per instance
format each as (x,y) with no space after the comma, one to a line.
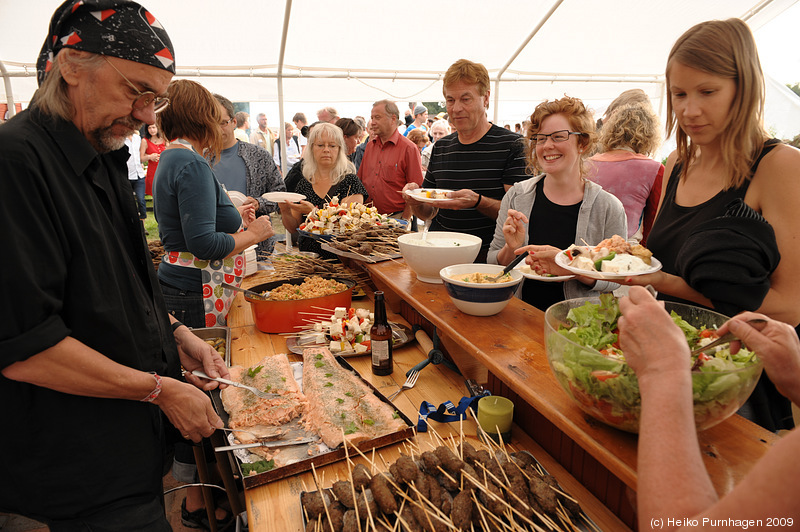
(559,206)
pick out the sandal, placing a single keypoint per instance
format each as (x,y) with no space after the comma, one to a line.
(199,518)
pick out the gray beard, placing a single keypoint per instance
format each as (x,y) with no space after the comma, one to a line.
(105,141)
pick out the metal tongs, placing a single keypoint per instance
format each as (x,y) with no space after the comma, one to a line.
(757,323)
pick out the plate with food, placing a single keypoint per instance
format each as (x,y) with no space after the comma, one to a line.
(280,197)
(345,333)
(335,218)
(528,273)
(429,195)
(613,258)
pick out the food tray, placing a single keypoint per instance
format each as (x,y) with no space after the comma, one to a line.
(216,332)
(363,258)
(400,334)
(322,459)
(582,522)
(331,236)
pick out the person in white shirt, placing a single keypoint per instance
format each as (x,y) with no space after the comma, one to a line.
(136,172)
(292,150)
(242,125)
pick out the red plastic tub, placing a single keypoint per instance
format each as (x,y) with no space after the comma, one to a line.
(285,316)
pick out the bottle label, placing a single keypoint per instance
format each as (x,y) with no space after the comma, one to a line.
(380,351)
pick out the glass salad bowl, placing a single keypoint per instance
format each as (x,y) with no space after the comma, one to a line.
(606,388)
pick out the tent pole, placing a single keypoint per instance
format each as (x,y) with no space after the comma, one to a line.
(12,110)
(515,54)
(282,130)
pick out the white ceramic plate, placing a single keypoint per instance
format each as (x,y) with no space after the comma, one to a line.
(562,261)
(528,273)
(419,194)
(279,197)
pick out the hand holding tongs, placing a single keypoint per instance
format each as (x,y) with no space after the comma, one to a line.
(757,323)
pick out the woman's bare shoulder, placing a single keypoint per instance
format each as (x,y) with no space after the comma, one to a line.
(782,162)
(774,185)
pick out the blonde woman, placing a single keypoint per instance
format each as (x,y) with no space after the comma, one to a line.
(729,221)
(629,138)
(327,173)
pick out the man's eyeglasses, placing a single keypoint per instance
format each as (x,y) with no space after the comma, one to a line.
(557,136)
(225,122)
(145,98)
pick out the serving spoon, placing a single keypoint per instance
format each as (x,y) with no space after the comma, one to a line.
(246,292)
(519,258)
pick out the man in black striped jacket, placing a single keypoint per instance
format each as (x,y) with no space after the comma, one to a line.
(479,162)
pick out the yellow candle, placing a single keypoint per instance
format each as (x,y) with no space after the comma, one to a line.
(495,414)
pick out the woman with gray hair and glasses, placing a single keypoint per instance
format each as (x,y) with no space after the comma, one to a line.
(327,173)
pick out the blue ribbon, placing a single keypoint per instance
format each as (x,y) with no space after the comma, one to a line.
(447,411)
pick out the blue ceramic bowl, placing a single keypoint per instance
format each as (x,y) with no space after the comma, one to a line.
(479,299)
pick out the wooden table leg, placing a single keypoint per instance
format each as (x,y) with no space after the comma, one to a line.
(226,473)
(208,497)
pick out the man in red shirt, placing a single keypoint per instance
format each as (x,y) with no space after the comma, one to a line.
(390,161)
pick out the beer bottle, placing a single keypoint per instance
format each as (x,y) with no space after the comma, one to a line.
(381,339)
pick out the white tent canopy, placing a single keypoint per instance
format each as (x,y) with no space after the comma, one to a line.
(310,53)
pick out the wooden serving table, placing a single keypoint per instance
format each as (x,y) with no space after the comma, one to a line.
(510,345)
(276,506)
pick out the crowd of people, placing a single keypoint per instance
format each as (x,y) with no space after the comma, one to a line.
(102,336)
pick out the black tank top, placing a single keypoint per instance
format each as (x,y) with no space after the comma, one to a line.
(552,224)
(675,222)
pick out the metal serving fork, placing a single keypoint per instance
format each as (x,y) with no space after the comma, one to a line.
(410,382)
(256,391)
(757,323)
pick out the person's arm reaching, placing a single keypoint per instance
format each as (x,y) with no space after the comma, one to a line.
(673,484)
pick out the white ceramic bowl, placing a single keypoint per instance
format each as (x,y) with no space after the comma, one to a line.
(443,248)
(479,299)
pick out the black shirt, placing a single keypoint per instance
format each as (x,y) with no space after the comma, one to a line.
(555,225)
(75,264)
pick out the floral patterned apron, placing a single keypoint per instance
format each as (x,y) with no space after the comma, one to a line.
(216,298)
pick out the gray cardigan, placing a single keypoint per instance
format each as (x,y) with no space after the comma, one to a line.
(601,216)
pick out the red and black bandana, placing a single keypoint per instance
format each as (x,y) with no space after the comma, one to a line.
(119,28)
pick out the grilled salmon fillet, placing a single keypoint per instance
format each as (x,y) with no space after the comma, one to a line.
(248,411)
(340,406)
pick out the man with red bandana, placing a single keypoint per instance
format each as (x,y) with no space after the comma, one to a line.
(91,361)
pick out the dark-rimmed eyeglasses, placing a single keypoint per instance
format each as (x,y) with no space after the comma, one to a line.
(143,99)
(226,122)
(557,136)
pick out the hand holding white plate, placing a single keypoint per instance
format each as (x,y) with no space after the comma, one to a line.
(429,195)
(237,198)
(528,273)
(563,261)
(279,197)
